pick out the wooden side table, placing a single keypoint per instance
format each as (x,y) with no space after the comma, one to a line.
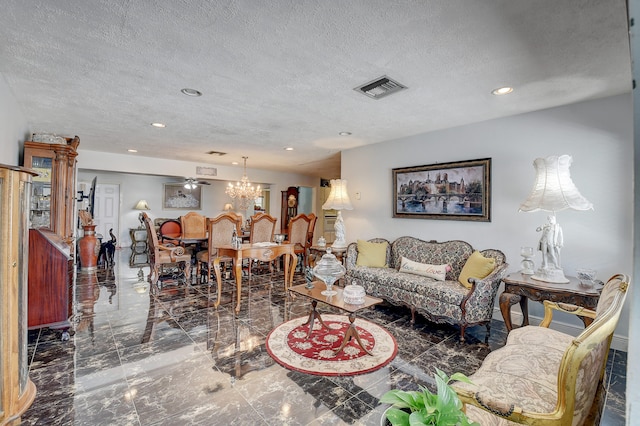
(316,252)
(139,247)
(519,288)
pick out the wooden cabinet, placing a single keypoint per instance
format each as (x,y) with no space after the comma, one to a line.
(51,239)
(53,195)
(17,391)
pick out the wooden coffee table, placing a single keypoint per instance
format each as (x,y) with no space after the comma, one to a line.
(336,301)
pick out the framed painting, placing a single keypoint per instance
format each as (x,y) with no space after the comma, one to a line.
(458,190)
(176,196)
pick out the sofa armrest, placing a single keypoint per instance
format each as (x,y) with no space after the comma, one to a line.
(567,308)
(479,301)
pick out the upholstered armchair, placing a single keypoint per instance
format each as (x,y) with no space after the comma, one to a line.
(160,254)
(546,377)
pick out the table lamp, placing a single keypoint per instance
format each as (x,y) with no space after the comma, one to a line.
(338,200)
(553,191)
(142,205)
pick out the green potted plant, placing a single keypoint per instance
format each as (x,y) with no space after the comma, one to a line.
(426,408)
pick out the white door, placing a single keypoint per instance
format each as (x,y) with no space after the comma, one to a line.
(106,210)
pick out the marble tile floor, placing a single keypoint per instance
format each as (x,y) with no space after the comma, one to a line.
(149,356)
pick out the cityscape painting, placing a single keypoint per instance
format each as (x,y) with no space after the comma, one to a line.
(458,190)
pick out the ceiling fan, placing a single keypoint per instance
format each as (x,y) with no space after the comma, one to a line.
(192,183)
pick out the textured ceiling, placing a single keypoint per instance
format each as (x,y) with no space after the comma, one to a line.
(280,73)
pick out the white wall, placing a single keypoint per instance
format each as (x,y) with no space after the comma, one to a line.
(128,171)
(14,128)
(598,134)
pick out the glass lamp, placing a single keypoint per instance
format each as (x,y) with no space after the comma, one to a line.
(338,200)
(553,191)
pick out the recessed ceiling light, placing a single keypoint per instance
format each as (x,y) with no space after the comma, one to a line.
(345,133)
(132,150)
(502,90)
(235,163)
(289,148)
(191,92)
(160,125)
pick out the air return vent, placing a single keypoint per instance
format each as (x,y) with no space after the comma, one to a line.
(380,87)
(218,153)
(206,171)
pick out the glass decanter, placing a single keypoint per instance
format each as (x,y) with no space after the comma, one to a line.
(329,270)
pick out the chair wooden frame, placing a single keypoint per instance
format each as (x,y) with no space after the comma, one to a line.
(580,374)
(263,226)
(220,230)
(161,255)
(298,234)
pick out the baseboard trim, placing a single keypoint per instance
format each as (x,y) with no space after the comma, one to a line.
(619,343)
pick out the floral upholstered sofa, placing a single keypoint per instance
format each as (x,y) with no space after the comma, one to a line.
(426,277)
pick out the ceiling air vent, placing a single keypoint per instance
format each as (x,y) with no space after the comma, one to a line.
(206,171)
(380,87)
(218,153)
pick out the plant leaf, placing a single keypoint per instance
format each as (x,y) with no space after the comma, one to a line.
(397,417)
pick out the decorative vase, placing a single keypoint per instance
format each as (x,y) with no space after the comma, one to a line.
(89,248)
(329,270)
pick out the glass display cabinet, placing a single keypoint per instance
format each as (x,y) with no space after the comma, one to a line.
(17,391)
(53,192)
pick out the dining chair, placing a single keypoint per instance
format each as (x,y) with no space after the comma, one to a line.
(194,225)
(263,226)
(298,234)
(312,226)
(161,254)
(169,231)
(220,232)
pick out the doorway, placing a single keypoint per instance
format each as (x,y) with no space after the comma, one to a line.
(106,210)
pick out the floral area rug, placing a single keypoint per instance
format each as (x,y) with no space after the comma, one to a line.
(289,346)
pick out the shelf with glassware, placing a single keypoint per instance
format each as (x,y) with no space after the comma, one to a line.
(17,391)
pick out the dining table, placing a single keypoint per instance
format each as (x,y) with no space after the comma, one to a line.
(264,252)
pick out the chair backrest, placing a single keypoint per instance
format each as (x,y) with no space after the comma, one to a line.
(221,229)
(194,225)
(312,226)
(170,229)
(152,238)
(263,226)
(584,362)
(298,230)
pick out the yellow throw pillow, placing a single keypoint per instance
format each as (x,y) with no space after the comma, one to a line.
(372,254)
(477,266)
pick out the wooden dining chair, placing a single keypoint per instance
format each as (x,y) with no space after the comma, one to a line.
(194,225)
(161,254)
(298,234)
(219,234)
(312,226)
(263,226)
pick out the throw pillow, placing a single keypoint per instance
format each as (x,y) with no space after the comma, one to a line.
(437,272)
(477,266)
(372,254)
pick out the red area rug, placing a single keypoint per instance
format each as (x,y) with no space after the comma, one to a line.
(289,346)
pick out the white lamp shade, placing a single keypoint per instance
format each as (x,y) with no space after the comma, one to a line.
(553,189)
(338,197)
(142,205)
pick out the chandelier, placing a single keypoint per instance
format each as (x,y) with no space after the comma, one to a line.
(244,191)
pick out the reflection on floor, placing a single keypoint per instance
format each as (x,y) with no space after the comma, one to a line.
(141,356)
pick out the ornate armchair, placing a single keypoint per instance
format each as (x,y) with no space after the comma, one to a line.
(160,255)
(546,377)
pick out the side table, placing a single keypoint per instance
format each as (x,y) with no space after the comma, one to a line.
(519,288)
(139,247)
(318,251)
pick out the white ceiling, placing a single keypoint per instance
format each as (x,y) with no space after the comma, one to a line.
(280,73)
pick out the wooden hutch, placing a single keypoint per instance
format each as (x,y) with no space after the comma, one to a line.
(51,237)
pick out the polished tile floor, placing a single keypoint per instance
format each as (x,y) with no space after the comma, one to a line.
(141,356)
